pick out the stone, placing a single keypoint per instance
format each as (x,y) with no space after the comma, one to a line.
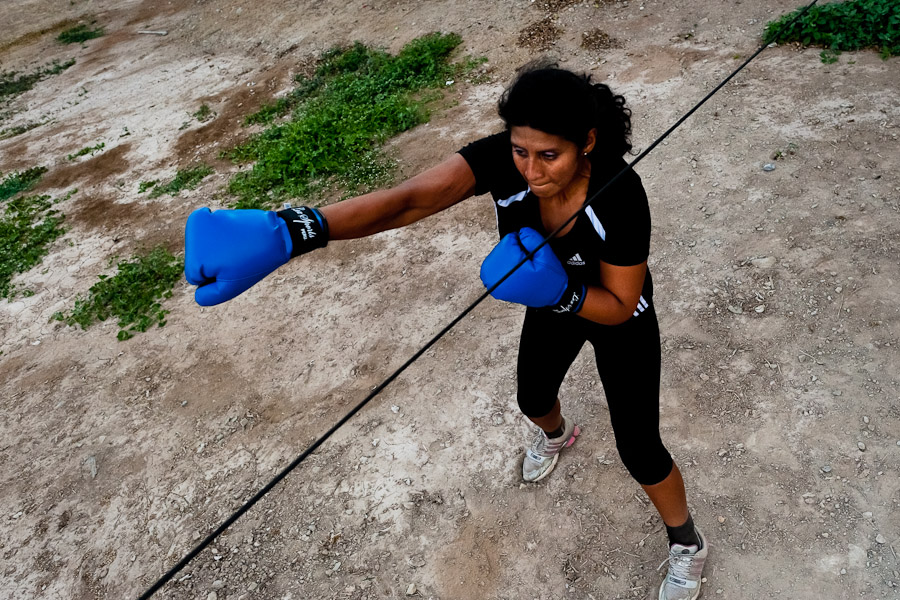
(880,539)
(769,167)
(91,464)
(411,590)
(212,596)
(826,469)
(763,262)
(861,446)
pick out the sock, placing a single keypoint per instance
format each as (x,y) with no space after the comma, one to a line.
(558,432)
(686,534)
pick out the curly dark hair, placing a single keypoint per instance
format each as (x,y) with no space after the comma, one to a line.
(563,103)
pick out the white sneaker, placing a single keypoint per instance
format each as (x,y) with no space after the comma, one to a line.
(685,571)
(541,457)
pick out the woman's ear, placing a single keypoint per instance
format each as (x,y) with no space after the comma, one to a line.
(591,141)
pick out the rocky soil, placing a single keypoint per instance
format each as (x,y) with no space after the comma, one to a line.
(777,291)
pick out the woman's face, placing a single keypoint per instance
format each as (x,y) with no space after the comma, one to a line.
(549,163)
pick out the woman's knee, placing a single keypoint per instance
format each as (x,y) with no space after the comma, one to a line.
(647,462)
(535,405)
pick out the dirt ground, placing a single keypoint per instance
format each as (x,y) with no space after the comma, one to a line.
(777,293)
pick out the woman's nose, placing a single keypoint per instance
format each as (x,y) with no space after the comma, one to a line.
(532,169)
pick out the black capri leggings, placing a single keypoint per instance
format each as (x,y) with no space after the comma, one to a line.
(628,359)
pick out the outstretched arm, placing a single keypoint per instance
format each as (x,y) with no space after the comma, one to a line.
(229,251)
(430,192)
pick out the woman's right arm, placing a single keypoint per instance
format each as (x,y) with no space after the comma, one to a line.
(228,251)
(427,193)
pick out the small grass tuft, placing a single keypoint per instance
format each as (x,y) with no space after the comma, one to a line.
(28,226)
(839,26)
(79,33)
(88,150)
(204,113)
(340,116)
(133,294)
(20,181)
(184,179)
(12,83)
(146,185)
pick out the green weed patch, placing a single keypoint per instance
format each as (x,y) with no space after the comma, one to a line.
(204,113)
(133,295)
(13,83)
(79,33)
(88,150)
(184,179)
(18,130)
(339,118)
(146,185)
(20,181)
(839,26)
(28,226)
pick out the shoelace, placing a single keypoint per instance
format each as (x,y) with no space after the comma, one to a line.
(680,565)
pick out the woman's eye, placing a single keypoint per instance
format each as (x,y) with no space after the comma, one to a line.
(550,156)
(519,152)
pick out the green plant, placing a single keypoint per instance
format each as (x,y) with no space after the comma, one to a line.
(184,179)
(88,150)
(12,83)
(27,227)
(340,116)
(838,26)
(79,33)
(18,130)
(204,113)
(133,294)
(20,181)
(146,185)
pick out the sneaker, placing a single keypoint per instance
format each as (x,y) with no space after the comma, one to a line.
(544,452)
(685,571)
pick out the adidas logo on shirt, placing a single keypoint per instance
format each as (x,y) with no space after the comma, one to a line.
(576,260)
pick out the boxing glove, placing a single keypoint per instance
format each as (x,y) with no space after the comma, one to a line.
(227,251)
(540,282)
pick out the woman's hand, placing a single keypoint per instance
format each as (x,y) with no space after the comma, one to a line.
(541,281)
(228,251)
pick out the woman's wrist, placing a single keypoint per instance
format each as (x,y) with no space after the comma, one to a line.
(307,227)
(572,298)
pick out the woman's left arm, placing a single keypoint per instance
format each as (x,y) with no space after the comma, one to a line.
(615,300)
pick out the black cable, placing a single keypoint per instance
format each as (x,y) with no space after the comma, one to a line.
(377,390)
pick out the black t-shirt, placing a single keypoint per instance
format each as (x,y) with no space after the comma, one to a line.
(614,229)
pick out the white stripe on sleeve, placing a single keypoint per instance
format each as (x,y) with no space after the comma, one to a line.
(589,211)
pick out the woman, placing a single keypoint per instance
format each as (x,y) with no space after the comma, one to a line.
(564,140)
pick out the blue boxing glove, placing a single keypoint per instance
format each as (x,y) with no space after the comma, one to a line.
(540,282)
(227,251)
